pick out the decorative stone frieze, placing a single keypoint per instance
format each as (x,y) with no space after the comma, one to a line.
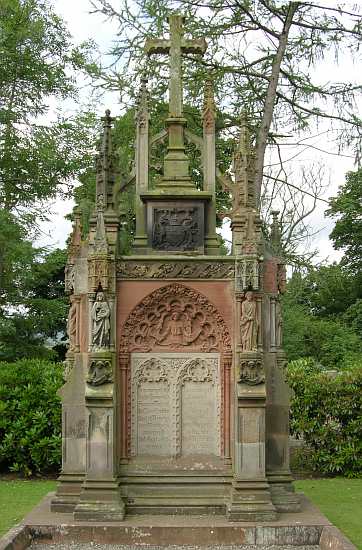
(171,269)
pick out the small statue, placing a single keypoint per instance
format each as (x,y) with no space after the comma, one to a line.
(101,322)
(72,325)
(279,324)
(249,323)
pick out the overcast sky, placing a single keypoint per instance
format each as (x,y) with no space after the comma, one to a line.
(84,25)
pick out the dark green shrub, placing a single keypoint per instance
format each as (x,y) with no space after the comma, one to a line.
(30,416)
(326,412)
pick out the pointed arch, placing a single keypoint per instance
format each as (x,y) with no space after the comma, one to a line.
(179,319)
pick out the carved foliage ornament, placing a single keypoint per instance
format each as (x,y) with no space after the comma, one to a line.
(168,270)
(100,372)
(251,372)
(175,317)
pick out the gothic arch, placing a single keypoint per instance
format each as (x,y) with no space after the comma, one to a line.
(179,319)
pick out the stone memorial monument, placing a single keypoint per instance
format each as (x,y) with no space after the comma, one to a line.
(175,399)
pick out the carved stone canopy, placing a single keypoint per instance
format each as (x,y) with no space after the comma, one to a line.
(178,318)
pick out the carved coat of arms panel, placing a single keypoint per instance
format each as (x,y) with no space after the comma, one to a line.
(176,227)
(175,404)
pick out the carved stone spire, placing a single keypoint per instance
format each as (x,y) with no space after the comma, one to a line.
(243,167)
(105,164)
(275,231)
(209,108)
(76,236)
(100,238)
(142,114)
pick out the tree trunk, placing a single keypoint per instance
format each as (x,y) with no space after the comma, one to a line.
(263,132)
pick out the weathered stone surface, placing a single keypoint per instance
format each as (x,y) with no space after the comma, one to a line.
(175,404)
(192,269)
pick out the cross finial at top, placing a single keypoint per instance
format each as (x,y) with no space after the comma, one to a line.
(175,46)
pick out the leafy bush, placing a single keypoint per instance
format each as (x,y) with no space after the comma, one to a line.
(326,412)
(30,416)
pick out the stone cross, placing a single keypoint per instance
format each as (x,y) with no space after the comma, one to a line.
(175,46)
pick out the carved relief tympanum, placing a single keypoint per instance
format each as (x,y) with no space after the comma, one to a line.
(175,317)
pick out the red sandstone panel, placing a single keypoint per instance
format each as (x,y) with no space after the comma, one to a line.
(131,293)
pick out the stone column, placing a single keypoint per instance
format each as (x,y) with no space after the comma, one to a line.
(72,395)
(100,497)
(141,162)
(209,169)
(278,400)
(250,498)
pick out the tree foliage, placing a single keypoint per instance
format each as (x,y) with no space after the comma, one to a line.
(347,232)
(244,40)
(41,153)
(326,413)
(30,416)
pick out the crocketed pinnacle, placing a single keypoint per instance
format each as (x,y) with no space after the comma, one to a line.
(105,163)
(209,100)
(275,231)
(244,136)
(141,114)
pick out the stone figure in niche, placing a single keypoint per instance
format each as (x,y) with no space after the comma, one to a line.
(72,326)
(100,372)
(249,323)
(101,325)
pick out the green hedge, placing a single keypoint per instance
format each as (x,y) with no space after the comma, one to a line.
(30,416)
(326,412)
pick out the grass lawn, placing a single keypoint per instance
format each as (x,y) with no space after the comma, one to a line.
(18,497)
(340,499)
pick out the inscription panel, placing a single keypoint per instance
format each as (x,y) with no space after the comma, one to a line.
(199,418)
(175,404)
(153,414)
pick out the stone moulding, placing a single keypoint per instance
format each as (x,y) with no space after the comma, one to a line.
(199,327)
(175,269)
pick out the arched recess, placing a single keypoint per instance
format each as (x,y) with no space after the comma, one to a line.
(179,319)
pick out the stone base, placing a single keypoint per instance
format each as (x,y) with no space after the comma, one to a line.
(100,501)
(250,501)
(160,486)
(306,528)
(67,496)
(282,492)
